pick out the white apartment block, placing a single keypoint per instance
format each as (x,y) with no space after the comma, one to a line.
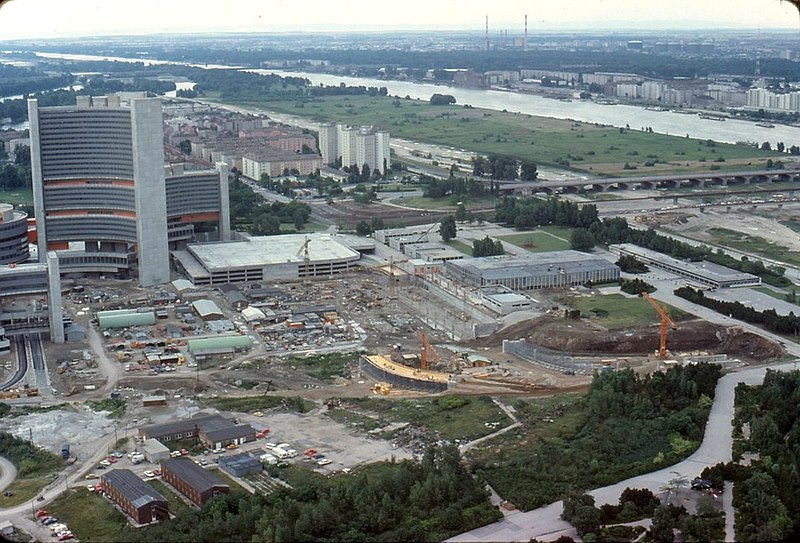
(355,145)
(763,98)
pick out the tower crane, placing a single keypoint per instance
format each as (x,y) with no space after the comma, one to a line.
(306,259)
(427,354)
(665,320)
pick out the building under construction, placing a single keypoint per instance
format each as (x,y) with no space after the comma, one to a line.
(383,369)
(289,256)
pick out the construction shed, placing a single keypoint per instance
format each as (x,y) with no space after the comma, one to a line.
(124,318)
(155,451)
(240,464)
(207,310)
(218,345)
(194,482)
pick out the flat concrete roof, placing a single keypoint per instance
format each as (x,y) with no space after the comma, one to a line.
(505,297)
(259,251)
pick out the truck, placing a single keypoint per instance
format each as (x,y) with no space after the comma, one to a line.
(65,451)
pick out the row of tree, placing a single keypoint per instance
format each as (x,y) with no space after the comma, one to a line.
(769,319)
(504,167)
(426,500)
(529,212)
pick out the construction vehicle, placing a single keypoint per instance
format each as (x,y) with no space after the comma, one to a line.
(427,354)
(381,388)
(665,320)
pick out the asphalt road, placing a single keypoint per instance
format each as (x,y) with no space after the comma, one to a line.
(545,523)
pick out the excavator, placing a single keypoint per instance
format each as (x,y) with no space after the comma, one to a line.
(665,321)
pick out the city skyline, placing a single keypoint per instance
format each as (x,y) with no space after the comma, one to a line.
(27,19)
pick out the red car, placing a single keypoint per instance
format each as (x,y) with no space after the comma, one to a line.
(112,459)
(66,536)
(184,452)
(41,513)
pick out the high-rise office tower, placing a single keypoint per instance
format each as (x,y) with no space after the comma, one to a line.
(98,186)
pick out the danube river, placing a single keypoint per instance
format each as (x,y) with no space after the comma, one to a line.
(664,122)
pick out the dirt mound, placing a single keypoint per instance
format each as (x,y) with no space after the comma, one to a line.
(584,338)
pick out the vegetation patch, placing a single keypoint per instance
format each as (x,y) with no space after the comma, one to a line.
(623,427)
(426,500)
(90,516)
(326,367)
(245,404)
(619,311)
(115,406)
(446,417)
(537,241)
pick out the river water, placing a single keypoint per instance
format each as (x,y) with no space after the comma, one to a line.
(664,122)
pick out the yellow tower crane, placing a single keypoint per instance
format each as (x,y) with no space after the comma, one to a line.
(665,320)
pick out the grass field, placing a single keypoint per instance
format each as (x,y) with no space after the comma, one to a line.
(245,404)
(538,241)
(25,489)
(288,228)
(769,292)
(582,146)
(460,246)
(448,417)
(753,244)
(175,502)
(621,312)
(449,203)
(19,196)
(89,516)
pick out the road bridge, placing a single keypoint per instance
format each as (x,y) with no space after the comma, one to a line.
(671,181)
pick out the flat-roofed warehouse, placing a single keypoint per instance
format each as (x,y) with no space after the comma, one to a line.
(261,258)
(704,272)
(532,271)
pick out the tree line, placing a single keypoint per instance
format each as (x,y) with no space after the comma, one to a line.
(504,167)
(261,218)
(487,247)
(625,425)
(769,319)
(426,500)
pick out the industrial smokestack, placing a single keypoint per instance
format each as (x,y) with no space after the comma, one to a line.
(525,39)
(487,32)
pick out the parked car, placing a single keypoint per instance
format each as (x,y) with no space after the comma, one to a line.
(47,521)
(149,473)
(324,462)
(66,537)
(105,463)
(41,513)
(218,450)
(184,452)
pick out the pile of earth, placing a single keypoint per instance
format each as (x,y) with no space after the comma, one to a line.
(583,338)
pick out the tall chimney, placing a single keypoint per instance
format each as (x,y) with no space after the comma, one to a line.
(525,39)
(487,32)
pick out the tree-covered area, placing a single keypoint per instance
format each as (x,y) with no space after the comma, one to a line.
(22,80)
(529,212)
(17,175)
(262,219)
(630,264)
(766,493)
(769,318)
(635,286)
(426,500)
(453,186)
(626,425)
(384,63)
(503,167)
(487,247)
(27,457)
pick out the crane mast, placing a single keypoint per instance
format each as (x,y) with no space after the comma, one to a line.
(665,321)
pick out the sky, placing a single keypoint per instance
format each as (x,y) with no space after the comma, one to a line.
(71,18)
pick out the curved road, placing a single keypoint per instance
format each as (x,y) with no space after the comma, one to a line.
(545,523)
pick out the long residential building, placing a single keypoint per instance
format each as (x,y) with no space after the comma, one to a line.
(101,196)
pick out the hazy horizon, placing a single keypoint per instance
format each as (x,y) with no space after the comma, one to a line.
(48,19)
